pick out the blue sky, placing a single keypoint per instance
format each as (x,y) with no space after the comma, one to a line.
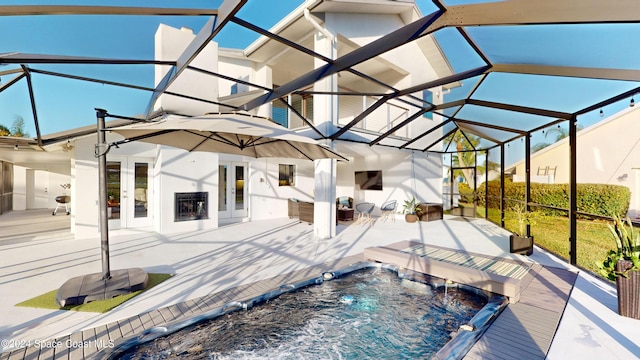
(65,104)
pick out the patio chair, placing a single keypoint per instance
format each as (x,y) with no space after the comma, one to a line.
(344,208)
(388,208)
(364,212)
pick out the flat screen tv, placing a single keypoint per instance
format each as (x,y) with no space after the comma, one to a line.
(369,180)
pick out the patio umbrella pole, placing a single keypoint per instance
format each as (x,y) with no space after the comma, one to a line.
(106,285)
(101,153)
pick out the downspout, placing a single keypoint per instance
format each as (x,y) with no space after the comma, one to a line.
(312,21)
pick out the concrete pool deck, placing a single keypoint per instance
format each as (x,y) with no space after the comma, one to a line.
(210,261)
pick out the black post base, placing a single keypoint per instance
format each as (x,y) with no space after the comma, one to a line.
(91,287)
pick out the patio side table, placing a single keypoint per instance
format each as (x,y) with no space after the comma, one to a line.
(345,214)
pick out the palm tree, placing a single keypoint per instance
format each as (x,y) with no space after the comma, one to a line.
(17,128)
(465,158)
(561,132)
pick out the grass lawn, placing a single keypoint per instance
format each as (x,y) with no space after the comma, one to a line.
(48,300)
(552,234)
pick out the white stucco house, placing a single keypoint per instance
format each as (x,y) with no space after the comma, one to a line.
(147,181)
(607,153)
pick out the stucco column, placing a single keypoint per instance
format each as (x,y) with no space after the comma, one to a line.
(325,116)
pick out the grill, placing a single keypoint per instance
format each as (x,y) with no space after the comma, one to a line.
(62,200)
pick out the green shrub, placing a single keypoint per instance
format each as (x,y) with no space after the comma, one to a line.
(466,193)
(597,199)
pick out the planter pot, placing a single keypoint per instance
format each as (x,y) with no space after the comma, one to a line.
(628,291)
(521,245)
(411,218)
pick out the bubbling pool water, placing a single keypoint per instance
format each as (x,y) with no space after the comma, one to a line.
(367,314)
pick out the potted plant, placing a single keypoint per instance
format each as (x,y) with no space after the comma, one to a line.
(412,210)
(519,242)
(623,266)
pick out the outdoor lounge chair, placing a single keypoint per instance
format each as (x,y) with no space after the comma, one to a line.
(388,208)
(364,212)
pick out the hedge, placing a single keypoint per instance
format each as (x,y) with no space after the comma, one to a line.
(597,199)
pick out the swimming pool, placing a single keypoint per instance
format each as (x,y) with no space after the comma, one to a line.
(367,311)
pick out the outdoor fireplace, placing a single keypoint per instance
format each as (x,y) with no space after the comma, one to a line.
(191,206)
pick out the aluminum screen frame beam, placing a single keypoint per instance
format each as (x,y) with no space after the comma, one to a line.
(24,58)
(123,85)
(569,71)
(226,12)
(6,85)
(382,45)
(520,109)
(30,10)
(516,12)
(32,100)
(279,39)
(430,84)
(442,124)
(405,122)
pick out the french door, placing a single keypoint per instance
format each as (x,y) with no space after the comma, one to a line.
(232,190)
(38,189)
(129,192)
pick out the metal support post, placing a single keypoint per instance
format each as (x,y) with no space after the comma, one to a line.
(101,154)
(573,202)
(502,185)
(527,185)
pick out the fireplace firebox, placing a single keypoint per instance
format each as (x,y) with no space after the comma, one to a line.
(191,206)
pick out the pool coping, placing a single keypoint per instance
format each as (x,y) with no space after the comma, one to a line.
(88,343)
(461,340)
(104,341)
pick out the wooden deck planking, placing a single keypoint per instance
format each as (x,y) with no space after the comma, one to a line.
(525,330)
(146,320)
(16,354)
(136,324)
(89,335)
(156,317)
(185,308)
(32,353)
(175,311)
(522,327)
(125,327)
(46,353)
(62,352)
(113,330)
(76,340)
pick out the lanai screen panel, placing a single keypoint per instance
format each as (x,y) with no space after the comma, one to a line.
(564,94)
(572,45)
(502,118)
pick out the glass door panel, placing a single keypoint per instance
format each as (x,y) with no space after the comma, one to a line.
(232,190)
(128,192)
(222,188)
(239,189)
(141,181)
(114,187)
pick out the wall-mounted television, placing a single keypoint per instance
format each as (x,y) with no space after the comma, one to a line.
(369,180)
